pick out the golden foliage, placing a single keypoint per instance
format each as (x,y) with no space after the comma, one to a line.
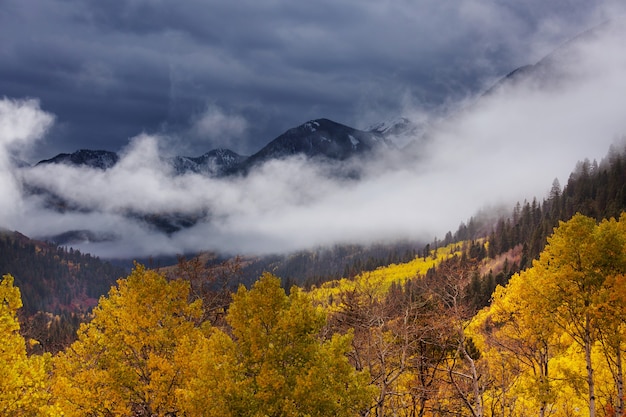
(126,359)
(24,381)
(379,281)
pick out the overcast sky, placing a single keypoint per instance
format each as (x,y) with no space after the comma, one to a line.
(237,73)
(148,78)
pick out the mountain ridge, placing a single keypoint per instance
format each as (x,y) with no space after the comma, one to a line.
(316,139)
(100,159)
(215,163)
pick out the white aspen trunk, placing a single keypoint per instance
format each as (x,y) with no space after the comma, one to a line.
(478,407)
(590,381)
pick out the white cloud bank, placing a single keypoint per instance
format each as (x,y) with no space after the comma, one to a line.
(217,126)
(502,148)
(22,122)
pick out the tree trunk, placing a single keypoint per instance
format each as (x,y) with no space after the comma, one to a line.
(544,360)
(380,407)
(478,407)
(590,381)
(620,381)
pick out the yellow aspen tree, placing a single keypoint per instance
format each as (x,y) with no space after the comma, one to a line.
(572,274)
(517,334)
(283,368)
(610,303)
(211,377)
(24,380)
(612,334)
(125,361)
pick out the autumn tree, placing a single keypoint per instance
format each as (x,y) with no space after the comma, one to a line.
(126,361)
(424,342)
(465,373)
(24,381)
(612,334)
(276,364)
(400,339)
(571,277)
(376,348)
(519,339)
(573,293)
(609,307)
(211,376)
(213,283)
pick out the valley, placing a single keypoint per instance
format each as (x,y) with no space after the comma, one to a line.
(459,259)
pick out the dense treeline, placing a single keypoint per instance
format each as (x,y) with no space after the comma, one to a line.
(58,286)
(148,351)
(53,278)
(596,190)
(313,267)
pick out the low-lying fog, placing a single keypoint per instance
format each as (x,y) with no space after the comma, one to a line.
(491,150)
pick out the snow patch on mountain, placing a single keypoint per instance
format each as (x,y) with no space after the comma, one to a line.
(312,125)
(215,163)
(400,131)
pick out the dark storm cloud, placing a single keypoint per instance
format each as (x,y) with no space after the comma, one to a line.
(110,70)
(499,148)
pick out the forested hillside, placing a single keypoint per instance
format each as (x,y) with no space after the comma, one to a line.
(501,245)
(597,190)
(313,267)
(58,286)
(53,278)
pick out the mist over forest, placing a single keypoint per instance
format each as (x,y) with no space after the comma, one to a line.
(354,208)
(483,152)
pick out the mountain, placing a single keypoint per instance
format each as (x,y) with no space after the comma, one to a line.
(556,67)
(320,139)
(58,286)
(212,163)
(400,131)
(215,163)
(85,157)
